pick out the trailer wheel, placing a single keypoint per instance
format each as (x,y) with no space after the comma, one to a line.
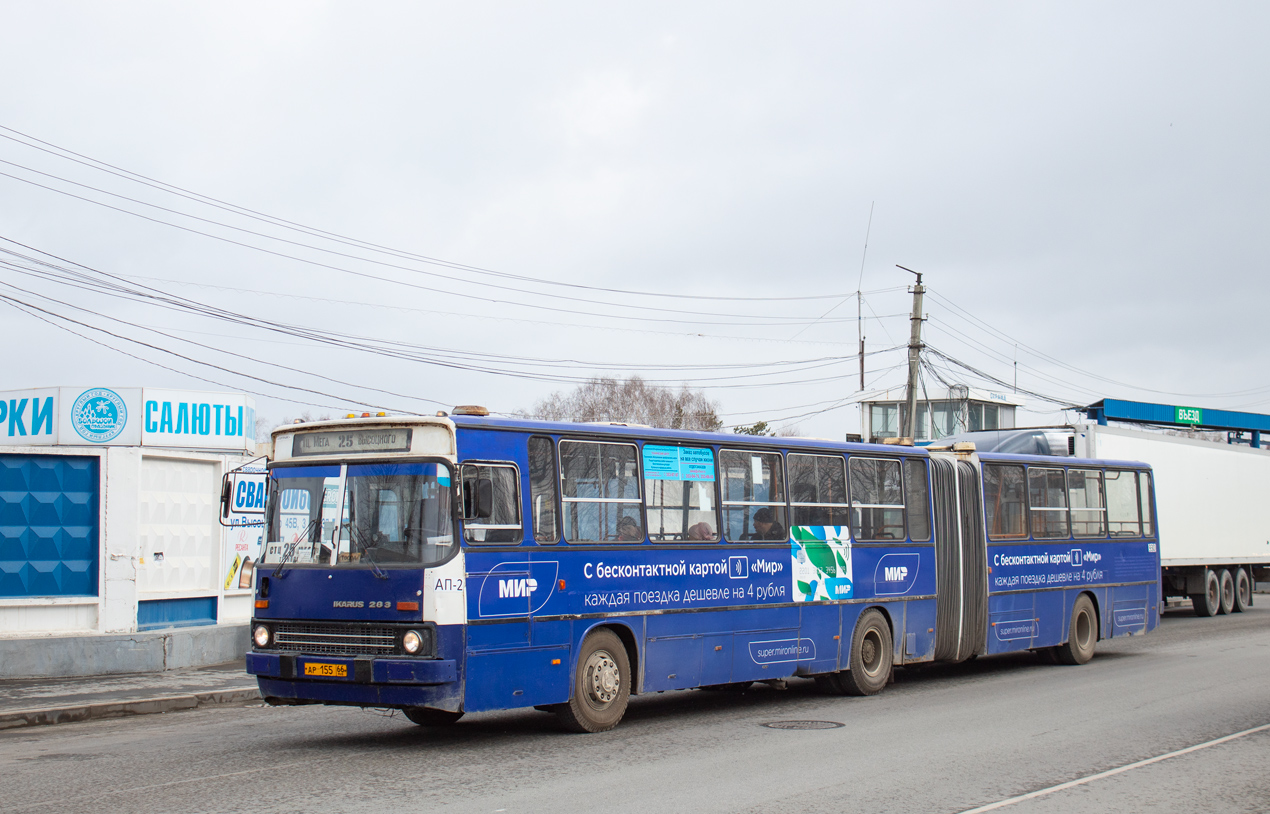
(601,686)
(871,653)
(423,716)
(1227,591)
(1209,602)
(1243,590)
(1082,635)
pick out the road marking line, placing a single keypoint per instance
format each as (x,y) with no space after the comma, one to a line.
(1091,778)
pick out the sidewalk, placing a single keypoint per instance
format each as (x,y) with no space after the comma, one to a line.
(36,701)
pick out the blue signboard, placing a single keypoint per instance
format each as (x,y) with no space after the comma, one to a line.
(678,463)
(1067,564)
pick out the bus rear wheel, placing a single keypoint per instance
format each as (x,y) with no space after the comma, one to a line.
(1243,590)
(1082,635)
(423,716)
(601,685)
(1227,591)
(869,667)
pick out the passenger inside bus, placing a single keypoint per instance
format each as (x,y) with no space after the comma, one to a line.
(766,527)
(700,531)
(628,530)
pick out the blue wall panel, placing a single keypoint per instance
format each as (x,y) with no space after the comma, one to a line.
(48,525)
(153,614)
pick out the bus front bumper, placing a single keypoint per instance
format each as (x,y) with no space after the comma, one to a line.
(324,669)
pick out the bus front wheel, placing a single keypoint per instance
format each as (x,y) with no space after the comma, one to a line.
(601,685)
(1082,635)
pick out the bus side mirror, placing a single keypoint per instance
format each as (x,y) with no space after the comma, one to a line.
(226,490)
(478,498)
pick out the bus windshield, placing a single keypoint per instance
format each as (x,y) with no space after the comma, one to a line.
(360,514)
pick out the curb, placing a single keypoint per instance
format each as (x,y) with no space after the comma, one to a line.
(123,709)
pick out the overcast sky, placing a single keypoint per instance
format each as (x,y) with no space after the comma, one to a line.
(1087,180)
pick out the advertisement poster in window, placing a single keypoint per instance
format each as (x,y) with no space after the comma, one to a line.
(244,532)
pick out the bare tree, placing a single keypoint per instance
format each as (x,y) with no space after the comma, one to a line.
(265,426)
(763,428)
(631,401)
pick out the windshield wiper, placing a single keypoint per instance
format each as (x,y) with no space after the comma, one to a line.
(374,566)
(289,551)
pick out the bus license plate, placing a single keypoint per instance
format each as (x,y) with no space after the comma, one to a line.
(329,670)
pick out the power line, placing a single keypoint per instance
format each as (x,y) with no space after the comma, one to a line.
(450,357)
(92,163)
(111,285)
(752,320)
(991,330)
(403,308)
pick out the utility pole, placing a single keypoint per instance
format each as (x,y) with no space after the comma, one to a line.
(859,301)
(914,356)
(859,321)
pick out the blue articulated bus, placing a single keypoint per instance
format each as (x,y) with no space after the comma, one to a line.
(452,564)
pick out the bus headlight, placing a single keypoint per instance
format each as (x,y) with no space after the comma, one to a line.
(261,636)
(412,642)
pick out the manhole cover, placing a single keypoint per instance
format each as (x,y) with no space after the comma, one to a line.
(802,725)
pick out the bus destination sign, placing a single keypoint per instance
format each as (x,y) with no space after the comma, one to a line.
(352,442)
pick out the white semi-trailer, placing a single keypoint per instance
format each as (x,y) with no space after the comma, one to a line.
(1214,532)
(1211,497)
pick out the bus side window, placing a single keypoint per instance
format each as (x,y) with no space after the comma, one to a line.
(1047,497)
(917,499)
(818,490)
(1122,504)
(1084,493)
(491,504)
(1004,502)
(1146,498)
(679,494)
(753,496)
(542,489)
(600,492)
(877,499)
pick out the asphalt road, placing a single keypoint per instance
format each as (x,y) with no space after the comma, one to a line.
(945,739)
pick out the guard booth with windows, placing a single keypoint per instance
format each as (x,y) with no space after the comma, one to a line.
(940,413)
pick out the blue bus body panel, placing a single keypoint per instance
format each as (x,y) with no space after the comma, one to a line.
(342,594)
(1065,563)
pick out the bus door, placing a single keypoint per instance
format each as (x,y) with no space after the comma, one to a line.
(961,560)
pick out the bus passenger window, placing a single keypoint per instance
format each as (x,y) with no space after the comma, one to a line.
(1084,494)
(1047,497)
(679,494)
(753,496)
(1146,498)
(1122,504)
(491,504)
(818,490)
(600,492)
(877,499)
(542,489)
(1003,502)
(917,499)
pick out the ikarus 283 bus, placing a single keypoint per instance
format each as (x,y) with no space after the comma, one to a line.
(451,564)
